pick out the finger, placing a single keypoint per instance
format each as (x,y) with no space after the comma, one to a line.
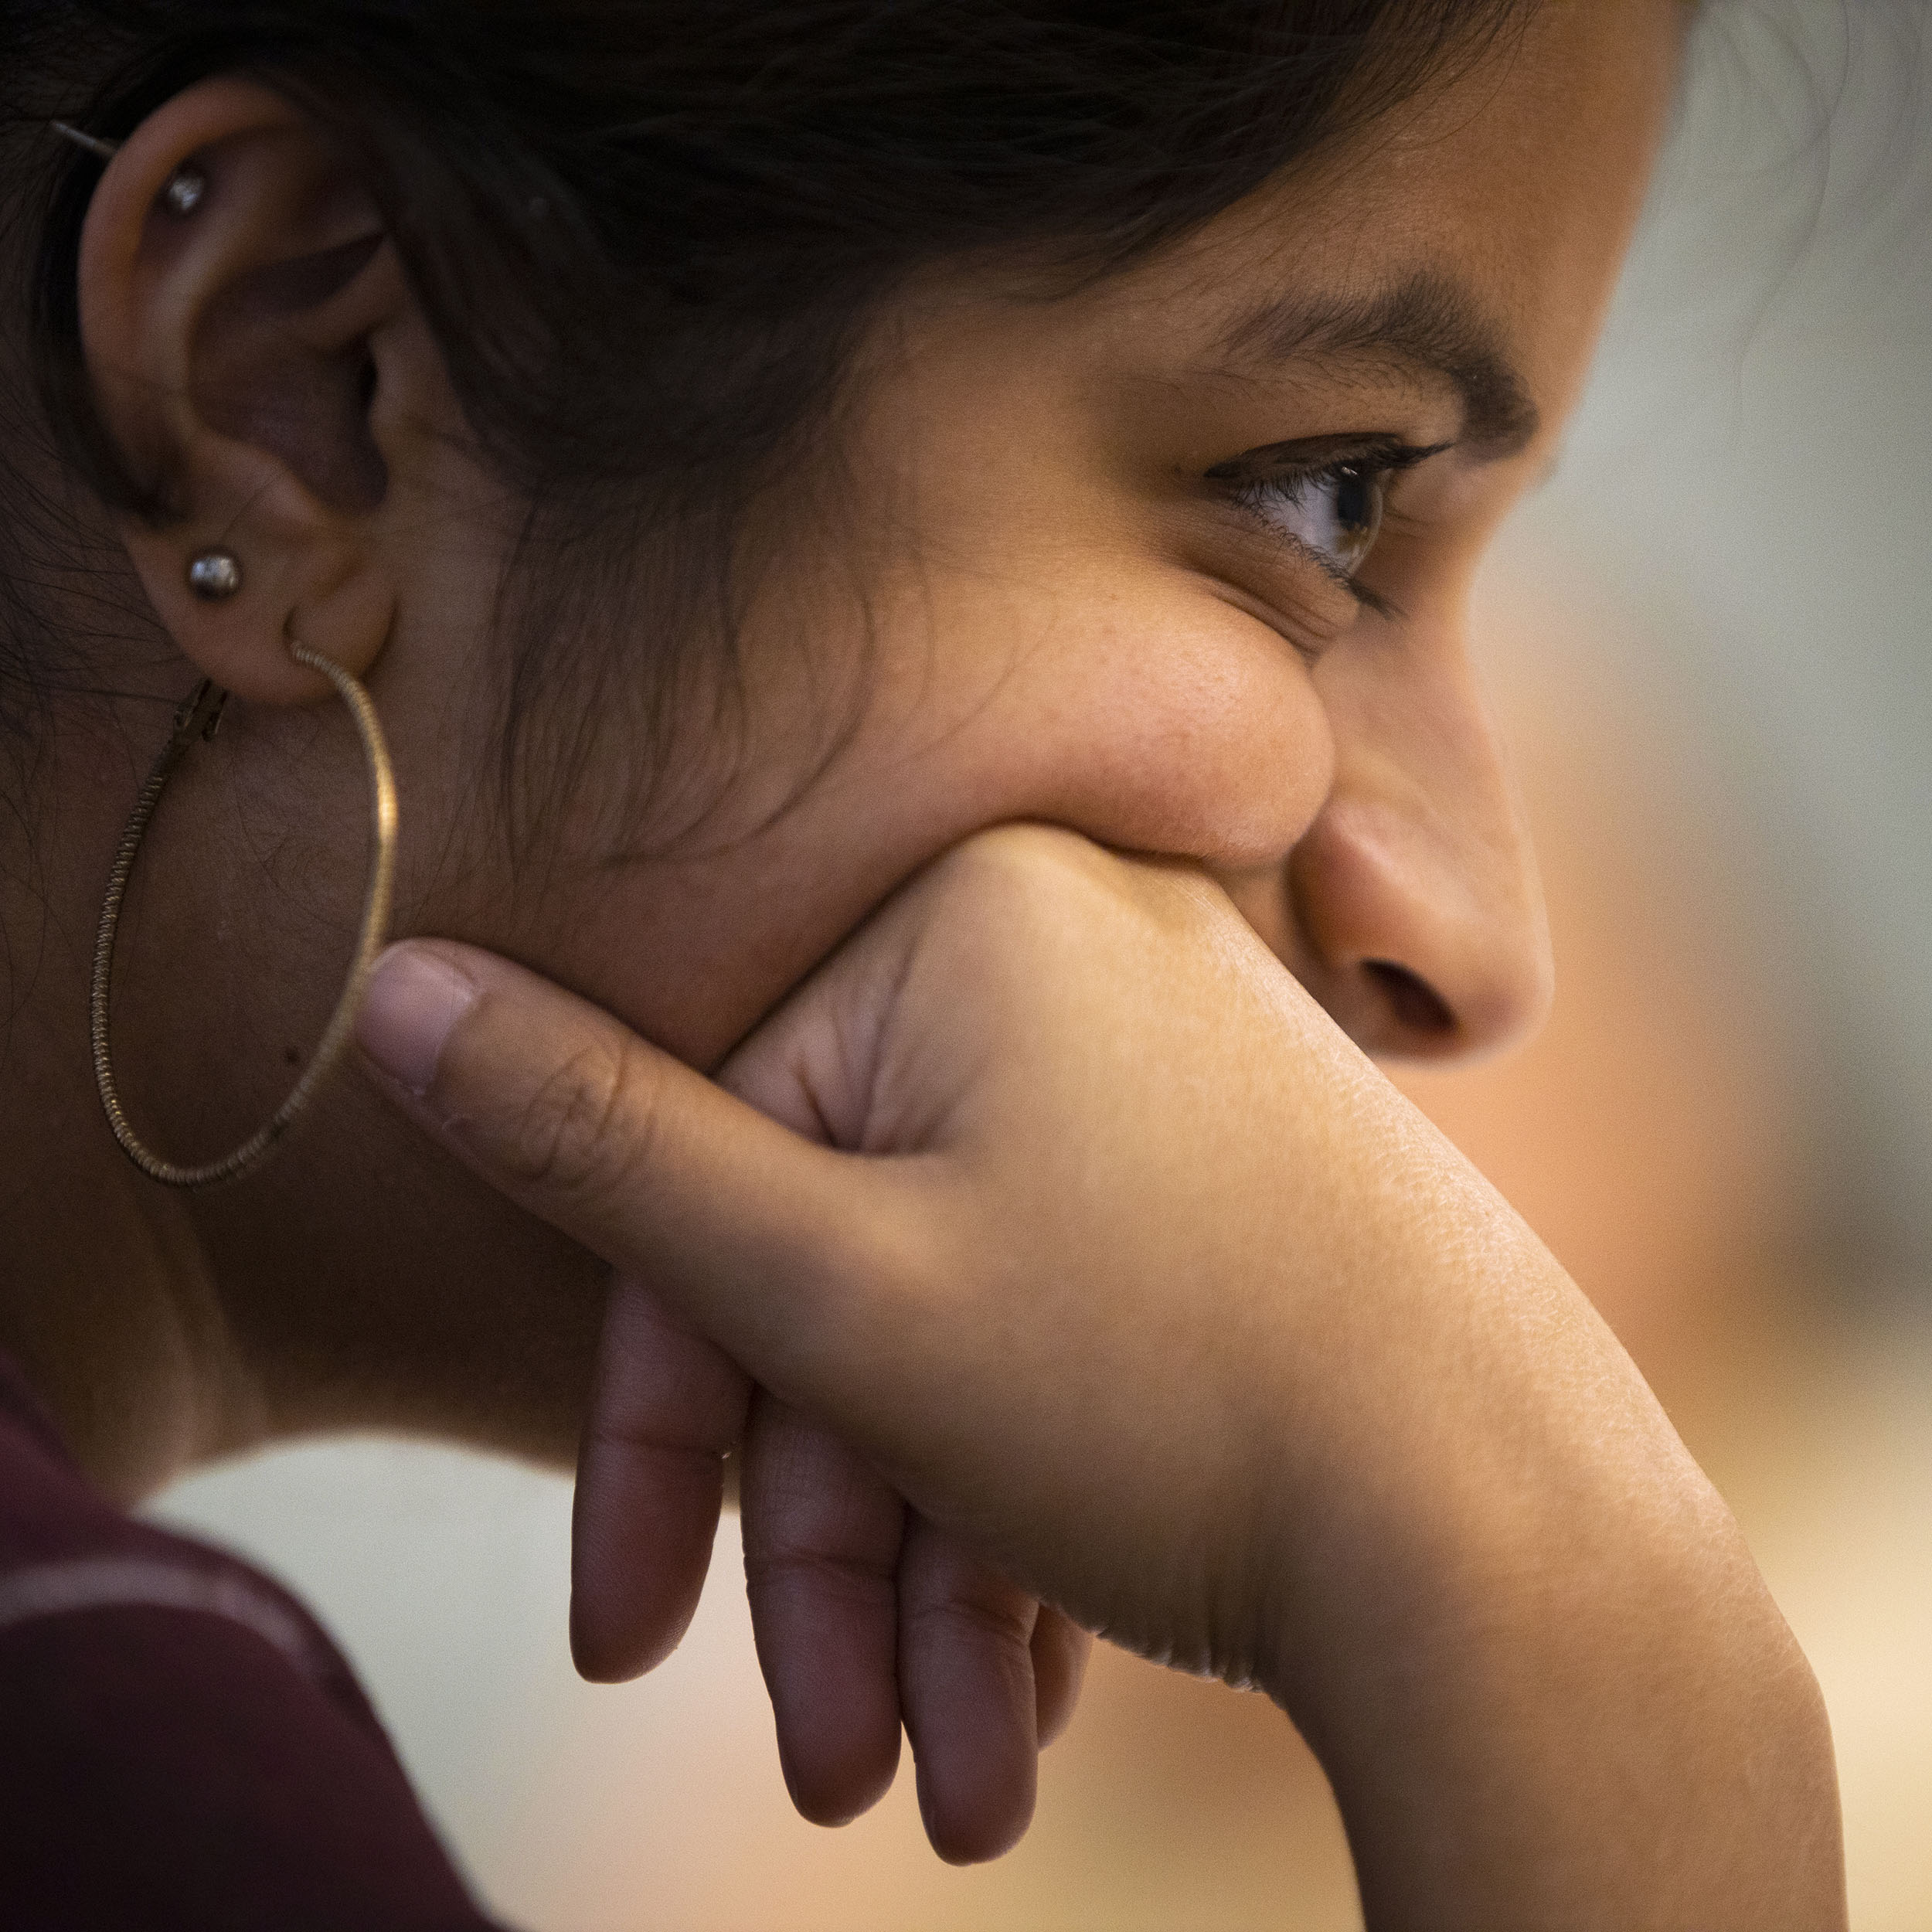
(668,1408)
(756,1234)
(966,1685)
(821,1538)
(1060,1650)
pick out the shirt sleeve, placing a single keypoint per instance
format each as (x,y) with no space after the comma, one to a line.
(182,1748)
(169,1767)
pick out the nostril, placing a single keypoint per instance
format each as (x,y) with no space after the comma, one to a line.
(1417,1004)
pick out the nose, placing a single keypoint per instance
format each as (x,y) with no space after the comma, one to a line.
(1411,907)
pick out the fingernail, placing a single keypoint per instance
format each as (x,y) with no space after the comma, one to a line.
(415,998)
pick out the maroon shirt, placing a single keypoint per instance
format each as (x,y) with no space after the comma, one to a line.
(180,1746)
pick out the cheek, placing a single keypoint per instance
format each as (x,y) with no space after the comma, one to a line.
(1183,727)
(1170,724)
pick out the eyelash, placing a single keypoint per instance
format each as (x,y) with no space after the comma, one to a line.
(1264,492)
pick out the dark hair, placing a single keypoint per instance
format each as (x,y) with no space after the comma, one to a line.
(646,232)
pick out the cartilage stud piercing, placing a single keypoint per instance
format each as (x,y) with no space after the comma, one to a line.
(215,575)
(186,186)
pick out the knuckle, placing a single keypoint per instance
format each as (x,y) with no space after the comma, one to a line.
(856,1584)
(1018,862)
(953,1597)
(580,1130)
(1000,1623)
(1033,892)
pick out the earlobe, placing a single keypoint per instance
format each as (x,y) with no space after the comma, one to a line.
(237,334)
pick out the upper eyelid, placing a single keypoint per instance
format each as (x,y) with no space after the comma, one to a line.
(1317,455)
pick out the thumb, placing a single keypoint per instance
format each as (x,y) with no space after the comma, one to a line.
(756,1236)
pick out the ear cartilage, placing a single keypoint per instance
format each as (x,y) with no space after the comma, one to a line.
(214,575)
(185,188)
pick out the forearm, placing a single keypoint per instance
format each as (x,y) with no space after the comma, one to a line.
(1543,1671)
(1152,1291)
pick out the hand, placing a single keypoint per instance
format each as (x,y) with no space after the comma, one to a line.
(865,1619)
(1141,1284)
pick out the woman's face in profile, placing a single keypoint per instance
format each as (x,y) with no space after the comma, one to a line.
(1179,560)
(1176,558)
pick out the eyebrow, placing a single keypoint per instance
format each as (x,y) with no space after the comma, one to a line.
(1429,325)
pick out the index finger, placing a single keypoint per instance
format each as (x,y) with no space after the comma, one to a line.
(757,1235)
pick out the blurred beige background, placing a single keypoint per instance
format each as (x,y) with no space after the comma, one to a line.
(1709,642)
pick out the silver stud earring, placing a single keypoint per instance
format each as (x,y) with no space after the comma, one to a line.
(186,186)
(215,575)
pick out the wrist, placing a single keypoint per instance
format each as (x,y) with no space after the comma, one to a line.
(1569,1701)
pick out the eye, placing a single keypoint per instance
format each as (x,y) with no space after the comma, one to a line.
(1334,512)
(1325,495)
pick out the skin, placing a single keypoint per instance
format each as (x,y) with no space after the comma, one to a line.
(1079,631)
(1515,1624)
(1024,600)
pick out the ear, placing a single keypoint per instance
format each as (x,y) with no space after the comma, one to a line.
(263,367)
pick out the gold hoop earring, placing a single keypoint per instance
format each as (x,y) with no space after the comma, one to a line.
(198,717)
